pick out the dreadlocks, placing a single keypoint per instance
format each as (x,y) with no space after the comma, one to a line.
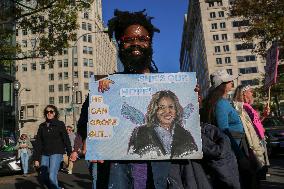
(123,19)
(117,26)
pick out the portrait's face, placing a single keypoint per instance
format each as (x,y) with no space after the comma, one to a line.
(50,113)
(248,96)
(135,50)
(166,112)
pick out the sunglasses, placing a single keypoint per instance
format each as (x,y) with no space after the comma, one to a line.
(141,39)
(50,111)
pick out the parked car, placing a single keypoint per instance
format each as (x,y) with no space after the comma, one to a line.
(274,130)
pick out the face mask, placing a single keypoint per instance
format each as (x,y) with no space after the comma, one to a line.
(133,63)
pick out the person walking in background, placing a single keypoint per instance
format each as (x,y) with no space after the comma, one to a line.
(24,147)
(244,99)
(221,113)
(52,142)
(68,163)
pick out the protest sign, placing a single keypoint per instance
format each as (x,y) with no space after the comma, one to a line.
(144,117)
(271,66)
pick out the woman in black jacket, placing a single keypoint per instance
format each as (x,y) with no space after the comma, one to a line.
(51,143)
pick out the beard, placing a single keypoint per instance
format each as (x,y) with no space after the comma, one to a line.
(135,63)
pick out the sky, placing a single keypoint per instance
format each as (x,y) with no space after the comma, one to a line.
(168,17)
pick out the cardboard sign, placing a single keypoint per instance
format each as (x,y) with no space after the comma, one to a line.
(144,117)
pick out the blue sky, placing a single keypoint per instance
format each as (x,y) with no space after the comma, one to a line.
(168,17)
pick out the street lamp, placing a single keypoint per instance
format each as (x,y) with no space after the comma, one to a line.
(16,86)
(73,84)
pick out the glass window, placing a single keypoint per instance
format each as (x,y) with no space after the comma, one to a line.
(244,46)
(218,60)
(91,64)
(86,86)
(24,67)
(60,87)
(85,38)
(221,13)
(85,50)
(222,25)
(214,26)
(85,62)
(51,65)
(33,66)
(89,27)
(65,51)
(217,49)
(51,100)
(51,88)
(224,37)
(91,73)
(65,63)
(212,15)
(25,32)
(211,4)
(66,87)
(215,37)
(51,77)
(86,15)
(84,26)
(42,65)
(65,75)
(230,71)
(60,99)
(226,48)
(59,76)
(240,23)
(75,61)
(75,74)
(59,62)
(227,60)
(248,70)
(90,50)
(86,74)
(90,38)
(66,99)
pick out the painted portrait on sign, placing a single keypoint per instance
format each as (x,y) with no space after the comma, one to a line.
(163,133)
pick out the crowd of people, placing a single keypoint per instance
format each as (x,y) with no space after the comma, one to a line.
(233,141)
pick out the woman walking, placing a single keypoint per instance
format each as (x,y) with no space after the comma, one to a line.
(24,147)
(51,143)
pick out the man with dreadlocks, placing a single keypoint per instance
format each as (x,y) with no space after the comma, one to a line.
(134,33)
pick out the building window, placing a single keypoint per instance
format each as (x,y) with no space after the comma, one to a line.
(224,37)
(217,49)
(240,23)
(244,46)
(220,3)
(25,32)
(227,60)
(60,99)
(86,15)
(86,74)
(42,65)
(84,26)
(91,64)
(65,75)
(211,4)
(91,73)
(250,82)
(222,25)
(66,63)
(51,88)
(218,60)
(50,65)
(59,62)
(214,26)
(75,74)
(248,70)
(65,51)
(86,86)
(90,50)
(51,100)
(33,66)
(247,58)
(90,38)
(66,99)
(221,13)
(85,62)
(75,61)
(24,67)
(59,76)
(239,35)
(230,71)
(85,38)
(212,15)
(66,87)
(226,48)
(215,37)
(85,50)
(89,27)
(60,87)
(51,77)
(24,43)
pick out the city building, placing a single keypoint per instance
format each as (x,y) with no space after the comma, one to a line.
(212,40)
(53,82)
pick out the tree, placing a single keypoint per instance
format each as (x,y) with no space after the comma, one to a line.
(266,19)
(52,22)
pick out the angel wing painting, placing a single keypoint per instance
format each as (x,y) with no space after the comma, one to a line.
(160,131)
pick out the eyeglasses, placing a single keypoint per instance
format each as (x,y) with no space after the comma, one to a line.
(140,39)
(50,111)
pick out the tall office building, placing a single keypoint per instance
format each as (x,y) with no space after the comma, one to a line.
(53,83)
(212,41)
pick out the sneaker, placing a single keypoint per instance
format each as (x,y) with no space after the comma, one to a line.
(25,175)
(69,172)
(268,175)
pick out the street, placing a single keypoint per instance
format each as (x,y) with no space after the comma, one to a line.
(80,178)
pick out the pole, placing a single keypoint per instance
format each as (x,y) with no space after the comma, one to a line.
(17,131)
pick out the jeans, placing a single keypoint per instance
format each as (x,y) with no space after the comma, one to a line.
(93,172)
(25,161)
(120,176)
(49,169)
